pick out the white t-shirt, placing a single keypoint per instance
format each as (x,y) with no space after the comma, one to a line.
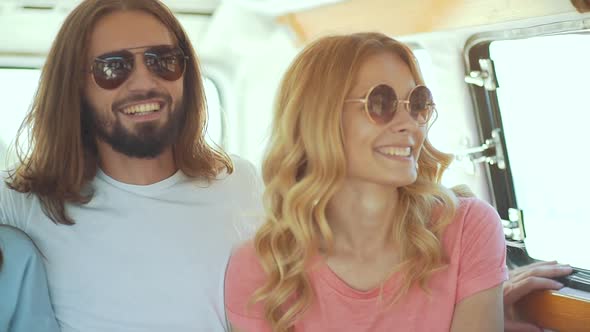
(142,258)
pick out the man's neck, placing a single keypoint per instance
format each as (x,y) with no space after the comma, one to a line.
(138,171)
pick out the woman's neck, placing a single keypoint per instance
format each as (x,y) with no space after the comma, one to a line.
(360,217)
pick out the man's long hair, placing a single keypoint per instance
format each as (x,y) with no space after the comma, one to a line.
(62,155)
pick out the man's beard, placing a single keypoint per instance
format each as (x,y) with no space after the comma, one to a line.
(146,140)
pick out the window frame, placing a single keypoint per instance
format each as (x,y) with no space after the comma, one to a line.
(487,113)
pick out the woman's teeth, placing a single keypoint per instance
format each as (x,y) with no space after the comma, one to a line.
(396,151)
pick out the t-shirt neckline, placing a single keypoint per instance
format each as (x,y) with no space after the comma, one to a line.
(168,182)
(323,270)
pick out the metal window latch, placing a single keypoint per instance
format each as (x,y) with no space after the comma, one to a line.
(514,226)
(491,152)
(578,280)
(486,77)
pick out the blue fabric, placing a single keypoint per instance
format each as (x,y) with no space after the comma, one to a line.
(24,297)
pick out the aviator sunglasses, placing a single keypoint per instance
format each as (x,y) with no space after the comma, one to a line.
(381,104)
(112,69)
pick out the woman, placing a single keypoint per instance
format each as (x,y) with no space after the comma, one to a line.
(359,234)
(24,299)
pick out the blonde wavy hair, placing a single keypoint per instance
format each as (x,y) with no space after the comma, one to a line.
(62,156)
(305,165)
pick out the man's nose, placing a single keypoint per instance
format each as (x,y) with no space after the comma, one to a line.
(141,78)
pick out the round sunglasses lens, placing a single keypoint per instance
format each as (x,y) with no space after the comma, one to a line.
(110,73)
(421,104)
(381,103)
(167,63)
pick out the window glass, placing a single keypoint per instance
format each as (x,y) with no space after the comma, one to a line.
(543,88)
(18,87)
(214,132)
(438,134)
(427,69)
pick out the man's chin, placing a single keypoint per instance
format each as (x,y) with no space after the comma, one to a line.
(132,122)
(138,128)
(136,146)
(143,139)
(140,151)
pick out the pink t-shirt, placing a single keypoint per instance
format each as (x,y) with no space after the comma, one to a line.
(474,242)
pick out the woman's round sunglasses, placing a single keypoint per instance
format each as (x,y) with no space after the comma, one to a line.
(381,104)
(112,69)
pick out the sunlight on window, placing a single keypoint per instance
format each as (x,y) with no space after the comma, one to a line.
(18,87)
(214,134)
(427,69)
(437,134)
(542,95)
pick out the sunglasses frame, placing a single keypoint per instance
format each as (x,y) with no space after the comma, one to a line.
(406,102)
(184,57)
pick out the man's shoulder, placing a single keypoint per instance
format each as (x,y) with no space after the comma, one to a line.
(14,205)
(4,175)
(244,175)
(5,190)
(6,193)
(243,185)
(243,166)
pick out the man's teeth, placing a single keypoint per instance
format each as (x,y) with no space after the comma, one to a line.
(142,108)
(395,151)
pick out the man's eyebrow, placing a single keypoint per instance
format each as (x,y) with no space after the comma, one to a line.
(134,48)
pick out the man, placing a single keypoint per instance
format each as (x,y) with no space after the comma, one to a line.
(133,211)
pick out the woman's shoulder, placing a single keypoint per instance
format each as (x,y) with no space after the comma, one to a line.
(476,223)
(19,258)
(472,216)
(245,266)
(244,255)
(476,246)
(16,243)
(244,276)
(25,303)
(473,209)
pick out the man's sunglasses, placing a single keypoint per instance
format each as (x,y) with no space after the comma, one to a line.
(381,104)
(113,69)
